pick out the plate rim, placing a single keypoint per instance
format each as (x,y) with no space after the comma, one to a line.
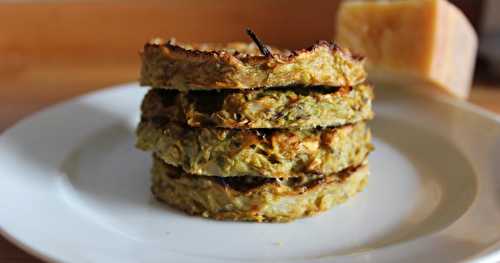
(492,251)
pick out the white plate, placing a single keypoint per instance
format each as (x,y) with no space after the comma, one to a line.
(73,188)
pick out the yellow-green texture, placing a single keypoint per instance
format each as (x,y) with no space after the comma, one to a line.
(240,66)
(290,107)
(264,200)
(263,152)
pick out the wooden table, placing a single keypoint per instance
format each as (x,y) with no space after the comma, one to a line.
(70,48)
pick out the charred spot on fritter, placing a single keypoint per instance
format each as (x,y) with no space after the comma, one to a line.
(242,183)
(207,101)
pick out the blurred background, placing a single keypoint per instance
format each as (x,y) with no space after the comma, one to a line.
(53,50)
(57,49)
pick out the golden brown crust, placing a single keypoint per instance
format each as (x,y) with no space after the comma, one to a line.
(263,152)
(271,200)
(293,107)
(239,66)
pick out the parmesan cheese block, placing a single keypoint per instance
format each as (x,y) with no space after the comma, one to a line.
(412,42)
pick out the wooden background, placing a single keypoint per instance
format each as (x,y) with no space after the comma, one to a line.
(52,51)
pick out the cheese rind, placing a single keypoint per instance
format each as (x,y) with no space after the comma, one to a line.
(411,42)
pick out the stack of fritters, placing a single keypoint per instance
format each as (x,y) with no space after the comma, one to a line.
(244,136)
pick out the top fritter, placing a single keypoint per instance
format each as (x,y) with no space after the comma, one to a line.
(242,66)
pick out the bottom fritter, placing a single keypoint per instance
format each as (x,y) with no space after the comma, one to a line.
(248,198)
